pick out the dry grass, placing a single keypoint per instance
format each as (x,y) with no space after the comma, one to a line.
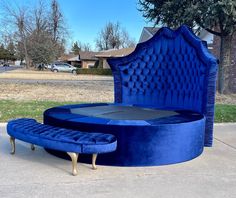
(31,99)
(226,99)
(86,88)
(48,75)
(26,92)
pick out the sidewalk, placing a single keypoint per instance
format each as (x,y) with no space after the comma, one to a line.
(38,174)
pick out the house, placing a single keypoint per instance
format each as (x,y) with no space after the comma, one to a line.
(70,58)
(213,43)
(147,33)
(103,55)
(206,36)
(88,59)
(85,59)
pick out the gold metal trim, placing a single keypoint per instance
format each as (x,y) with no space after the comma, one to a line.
(32,147)
(94,158)
(13,145)
(74,159)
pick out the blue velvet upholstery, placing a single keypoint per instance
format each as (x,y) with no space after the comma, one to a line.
(172,70)
(171,138)
(61,139)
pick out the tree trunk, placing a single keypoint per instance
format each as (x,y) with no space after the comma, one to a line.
(225,63)
(27,63)
(23,39)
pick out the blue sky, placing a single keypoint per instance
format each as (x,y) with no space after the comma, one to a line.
(86,18)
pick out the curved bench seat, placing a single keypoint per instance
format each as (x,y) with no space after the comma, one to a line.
(57,138)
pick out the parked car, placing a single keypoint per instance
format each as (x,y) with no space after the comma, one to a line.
(48,66)
(6,64)
(63,67)
(40,66)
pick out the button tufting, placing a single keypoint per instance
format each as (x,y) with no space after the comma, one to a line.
(30,126)
(178,69)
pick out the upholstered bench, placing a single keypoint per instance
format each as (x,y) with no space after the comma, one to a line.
(70,141)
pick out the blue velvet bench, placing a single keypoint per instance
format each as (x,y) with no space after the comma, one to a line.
(71,141)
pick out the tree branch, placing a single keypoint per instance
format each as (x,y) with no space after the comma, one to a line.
(213,32)
(209,30)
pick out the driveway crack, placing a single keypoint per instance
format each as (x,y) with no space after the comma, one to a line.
(233,147)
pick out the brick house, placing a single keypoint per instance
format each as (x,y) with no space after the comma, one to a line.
(103,55)
(85,59)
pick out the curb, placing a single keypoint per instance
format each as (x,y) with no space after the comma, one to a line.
(3,124)
(225,124)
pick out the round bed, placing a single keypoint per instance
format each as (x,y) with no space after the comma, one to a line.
(145,136)
(163,111)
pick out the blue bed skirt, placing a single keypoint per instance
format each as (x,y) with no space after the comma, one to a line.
(162,137)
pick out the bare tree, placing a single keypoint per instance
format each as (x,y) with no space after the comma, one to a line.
(39,18)
(86,47)
(39,31)
(17,16)
(112,36)
(57,27)
(78,46)
(126,40)
(41,47)
(56,20)
(40,41)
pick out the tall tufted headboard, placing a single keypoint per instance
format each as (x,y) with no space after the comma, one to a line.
(172,70)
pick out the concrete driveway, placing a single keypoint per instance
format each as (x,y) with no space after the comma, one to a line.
(38,174)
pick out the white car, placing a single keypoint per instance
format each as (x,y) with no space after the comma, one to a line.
(63,67)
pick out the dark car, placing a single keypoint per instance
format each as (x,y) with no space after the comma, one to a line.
(6,64)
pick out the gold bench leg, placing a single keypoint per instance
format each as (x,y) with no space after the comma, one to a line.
(94,157)
(13,145)
(32,147)
(74,159)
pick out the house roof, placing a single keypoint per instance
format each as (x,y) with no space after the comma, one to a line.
(83,55)
(151,30)
(115,52)
(147,33)
(87,55)
(69,57)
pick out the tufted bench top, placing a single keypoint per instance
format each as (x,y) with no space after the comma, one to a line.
(62,139)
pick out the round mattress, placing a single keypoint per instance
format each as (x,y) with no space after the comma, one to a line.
(145,136)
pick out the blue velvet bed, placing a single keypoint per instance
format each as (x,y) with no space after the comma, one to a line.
(164,102)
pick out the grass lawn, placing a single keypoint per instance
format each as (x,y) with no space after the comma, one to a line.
(225,113)
(10,109)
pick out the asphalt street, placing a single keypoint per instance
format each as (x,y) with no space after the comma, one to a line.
(10,68)
(75,82)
